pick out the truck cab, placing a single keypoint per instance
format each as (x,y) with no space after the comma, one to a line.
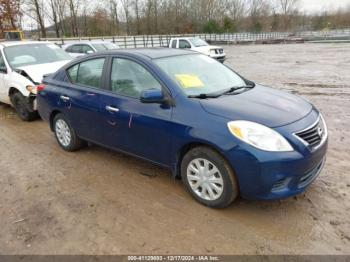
(199,45)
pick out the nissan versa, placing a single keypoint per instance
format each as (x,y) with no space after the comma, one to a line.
(222,134)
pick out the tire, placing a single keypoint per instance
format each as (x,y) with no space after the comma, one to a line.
(21,106)
(66,135)
(220,178)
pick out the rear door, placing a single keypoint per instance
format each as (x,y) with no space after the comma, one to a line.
(80,99)
(140,129)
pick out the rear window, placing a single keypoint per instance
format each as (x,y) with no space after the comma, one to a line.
(87,73)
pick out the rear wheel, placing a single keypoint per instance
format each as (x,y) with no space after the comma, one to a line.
(208,177)
(21,105)
(65,134)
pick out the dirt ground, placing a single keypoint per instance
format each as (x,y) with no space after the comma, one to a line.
(97,201)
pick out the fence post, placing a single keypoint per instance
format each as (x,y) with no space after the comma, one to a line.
(125,46)
(113,40)
(143,38)
(152,40)
(135,45)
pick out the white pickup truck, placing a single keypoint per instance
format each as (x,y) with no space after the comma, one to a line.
(199,45)
(22,67)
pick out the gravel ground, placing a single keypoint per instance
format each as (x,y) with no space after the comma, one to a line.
(96,201)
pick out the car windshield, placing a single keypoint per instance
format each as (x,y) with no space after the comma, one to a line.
(105,46)
(197,42)
(198,74)
(34,54)
(111,46)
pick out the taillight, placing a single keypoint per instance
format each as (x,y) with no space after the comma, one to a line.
(40,87)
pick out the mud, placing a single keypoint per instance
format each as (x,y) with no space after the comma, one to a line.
(96,201)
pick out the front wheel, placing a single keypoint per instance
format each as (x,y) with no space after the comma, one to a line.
(65,134)
(208,177)
(21,105)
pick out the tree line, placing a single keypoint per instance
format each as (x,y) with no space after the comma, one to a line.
(58,18)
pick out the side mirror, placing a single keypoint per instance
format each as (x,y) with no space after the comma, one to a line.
(89,52)
(3,70)
(152,96)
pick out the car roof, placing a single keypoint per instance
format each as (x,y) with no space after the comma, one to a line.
(16,43)
(88,42)
(151,53)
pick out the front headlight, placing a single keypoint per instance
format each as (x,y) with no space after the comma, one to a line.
(31,89)
(259,136)
(212,52)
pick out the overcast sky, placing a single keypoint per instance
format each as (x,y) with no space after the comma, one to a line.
(311,6)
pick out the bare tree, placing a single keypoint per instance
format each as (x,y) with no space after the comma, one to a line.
(114,16)
(137,14)
(126,8)
(36,7)
(287,8)
(73,7)
(53,15)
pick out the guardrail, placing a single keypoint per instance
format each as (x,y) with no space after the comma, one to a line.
(245,37)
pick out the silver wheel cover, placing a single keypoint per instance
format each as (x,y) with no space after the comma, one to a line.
(63,132)
(205,179)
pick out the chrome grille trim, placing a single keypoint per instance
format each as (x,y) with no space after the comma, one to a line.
(316,142)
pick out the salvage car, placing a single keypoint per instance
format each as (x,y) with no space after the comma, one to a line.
(22,66)
(90,47)
(199,45)
(221,133)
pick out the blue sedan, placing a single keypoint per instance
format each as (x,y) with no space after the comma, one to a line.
(222,134)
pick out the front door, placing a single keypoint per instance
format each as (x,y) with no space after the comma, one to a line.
(140,129)
(3,73)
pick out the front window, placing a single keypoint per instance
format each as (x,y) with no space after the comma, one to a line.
(184,44)
(197,42)
(130,79)
(34,54)
(198,74)
(2,62)
(86,49)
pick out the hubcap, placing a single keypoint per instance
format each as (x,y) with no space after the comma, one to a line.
(63,132)
(205,179)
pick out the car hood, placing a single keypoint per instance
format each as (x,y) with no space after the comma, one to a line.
(263,105)
(36,72)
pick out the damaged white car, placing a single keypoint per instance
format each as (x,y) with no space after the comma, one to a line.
(22,67)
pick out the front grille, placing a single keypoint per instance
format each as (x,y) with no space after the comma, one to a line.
(314,135)
(219,51)
(310,176)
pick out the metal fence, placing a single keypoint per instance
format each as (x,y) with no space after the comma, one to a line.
(163,40)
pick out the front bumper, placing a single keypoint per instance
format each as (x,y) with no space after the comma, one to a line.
(220,58)
(32,103)
(273,175)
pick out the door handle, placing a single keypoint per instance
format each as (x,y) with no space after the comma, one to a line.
(65,98)
(112,109)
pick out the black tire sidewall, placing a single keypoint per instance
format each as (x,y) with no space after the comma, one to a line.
(230,191)
(19,104)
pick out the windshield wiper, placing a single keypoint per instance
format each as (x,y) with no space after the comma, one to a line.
(234,89)
(205,96)
(224,92)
